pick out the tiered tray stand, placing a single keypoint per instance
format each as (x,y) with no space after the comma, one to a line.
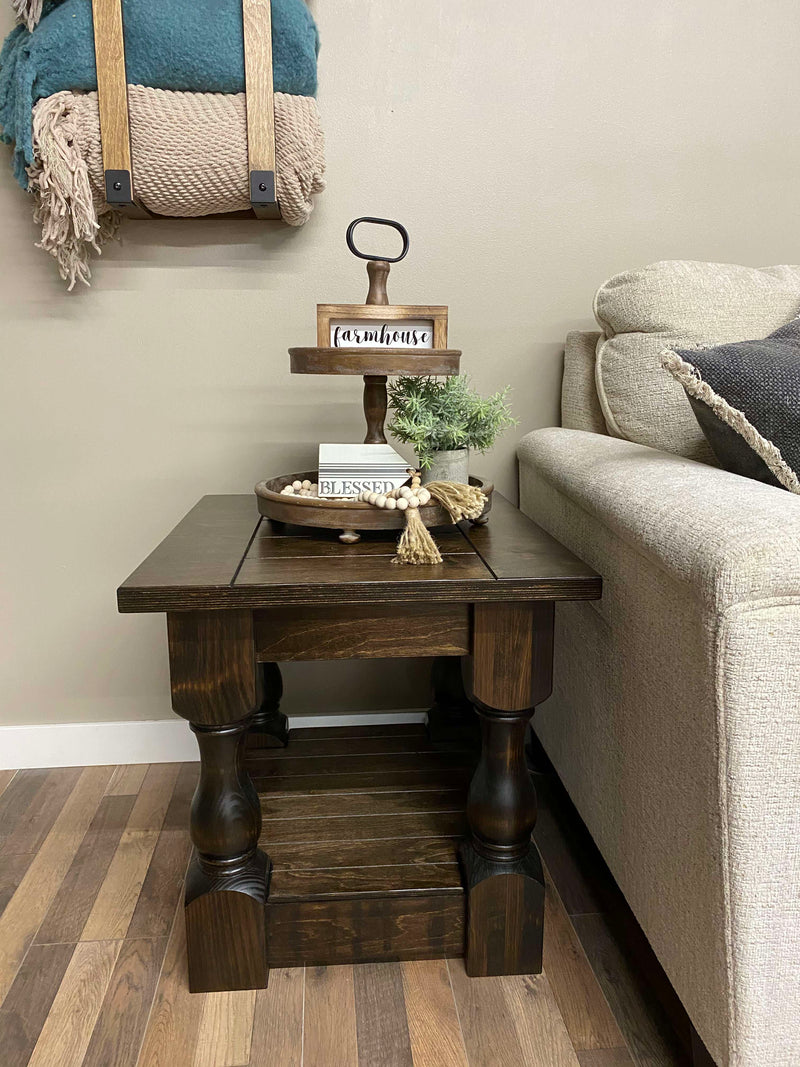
(374,365)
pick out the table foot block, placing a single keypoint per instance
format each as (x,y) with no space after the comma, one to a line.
(226,937)
(505,914)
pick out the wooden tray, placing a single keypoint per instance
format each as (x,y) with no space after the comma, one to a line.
(374,361)
(348,516)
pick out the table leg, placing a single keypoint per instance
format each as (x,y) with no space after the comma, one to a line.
(451,717)
(270,727)
(215,686)
(510,671)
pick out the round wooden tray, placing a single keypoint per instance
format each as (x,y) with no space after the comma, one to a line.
(374,361)
(348,516)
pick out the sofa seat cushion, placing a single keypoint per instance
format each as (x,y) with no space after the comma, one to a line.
(678,304)
(746,397)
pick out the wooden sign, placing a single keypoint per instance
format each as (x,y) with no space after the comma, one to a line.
(416,326)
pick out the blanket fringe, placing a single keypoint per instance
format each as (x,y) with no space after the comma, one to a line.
(29,12)
(59,183)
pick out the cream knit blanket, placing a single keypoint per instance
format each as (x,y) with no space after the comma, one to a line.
(189,159)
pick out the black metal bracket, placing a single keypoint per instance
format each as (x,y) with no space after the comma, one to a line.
(119,195)
(263,198)
(119,188)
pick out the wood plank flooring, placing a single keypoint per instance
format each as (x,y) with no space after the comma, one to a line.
(93,951)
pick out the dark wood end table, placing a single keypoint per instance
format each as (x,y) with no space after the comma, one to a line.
(363,828)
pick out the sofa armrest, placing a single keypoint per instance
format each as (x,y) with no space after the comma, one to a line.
(732,538)
(580,404)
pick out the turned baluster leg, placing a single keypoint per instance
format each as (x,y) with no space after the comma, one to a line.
(214,682)
(510,671)
(375,407)
(451,717)
(375,400)
(269,727)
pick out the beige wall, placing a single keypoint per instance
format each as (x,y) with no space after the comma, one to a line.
(532,149)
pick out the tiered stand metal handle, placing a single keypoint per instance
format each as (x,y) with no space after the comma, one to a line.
(115,131)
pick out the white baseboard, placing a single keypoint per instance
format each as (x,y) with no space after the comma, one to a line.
(93,744)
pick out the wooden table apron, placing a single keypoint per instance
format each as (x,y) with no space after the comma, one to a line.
(217,678)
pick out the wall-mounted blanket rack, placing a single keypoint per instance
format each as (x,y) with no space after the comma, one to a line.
(112,98)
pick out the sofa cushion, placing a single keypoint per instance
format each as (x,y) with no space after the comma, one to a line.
(580,408)
(746,397)
(678,304)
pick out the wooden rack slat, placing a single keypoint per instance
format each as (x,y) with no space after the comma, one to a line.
(257,20)
(112,102)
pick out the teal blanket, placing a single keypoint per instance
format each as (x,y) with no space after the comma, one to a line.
(192,45)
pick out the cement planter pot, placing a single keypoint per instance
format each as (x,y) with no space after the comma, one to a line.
(448,467)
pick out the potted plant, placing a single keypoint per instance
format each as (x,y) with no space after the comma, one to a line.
(443,420)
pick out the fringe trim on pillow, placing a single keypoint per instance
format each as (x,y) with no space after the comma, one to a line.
(59,182)
(692,381)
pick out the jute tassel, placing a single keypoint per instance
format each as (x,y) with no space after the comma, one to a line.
(461,501)
(416,544)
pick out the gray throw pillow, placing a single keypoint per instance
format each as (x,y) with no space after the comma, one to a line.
(746,397)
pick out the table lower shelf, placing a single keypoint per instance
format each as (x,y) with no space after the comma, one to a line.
(362,825)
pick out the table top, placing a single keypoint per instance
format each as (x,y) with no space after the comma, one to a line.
(224,555)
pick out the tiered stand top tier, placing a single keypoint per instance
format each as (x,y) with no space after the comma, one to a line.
(375,364)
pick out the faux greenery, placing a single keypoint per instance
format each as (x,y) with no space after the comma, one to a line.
(440,416)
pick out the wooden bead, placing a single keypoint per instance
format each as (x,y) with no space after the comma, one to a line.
(305,484)
(391,503)
(423,496)
(413,502)
(404,491)
(297,485)
(287,491)
(380,500)
(402,504)
(372,498)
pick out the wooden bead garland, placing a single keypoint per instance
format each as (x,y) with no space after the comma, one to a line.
(298,488)
(416,544)
(413,496)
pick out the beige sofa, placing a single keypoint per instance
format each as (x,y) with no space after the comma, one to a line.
(675,718)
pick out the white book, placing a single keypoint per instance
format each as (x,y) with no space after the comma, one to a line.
(347,469)
(360,455)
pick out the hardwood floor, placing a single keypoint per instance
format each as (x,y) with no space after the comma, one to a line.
(93,969)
